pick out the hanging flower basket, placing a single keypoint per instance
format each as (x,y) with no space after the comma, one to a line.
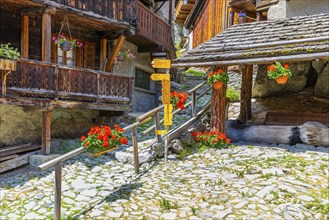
(282,79)
(65,46)
(218,85)
(218,78)
(279,73)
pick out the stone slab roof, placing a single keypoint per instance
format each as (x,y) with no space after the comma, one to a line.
(293,39)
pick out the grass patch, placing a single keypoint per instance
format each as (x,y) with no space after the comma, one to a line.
(195,72)
(232,94)
(167,205)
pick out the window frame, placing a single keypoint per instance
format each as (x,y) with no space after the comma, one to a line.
(144,74)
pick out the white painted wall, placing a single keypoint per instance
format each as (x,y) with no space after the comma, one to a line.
(292,8)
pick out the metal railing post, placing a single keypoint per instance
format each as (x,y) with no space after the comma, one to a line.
(157,126)
(193,108)
(135,150)
(58,191)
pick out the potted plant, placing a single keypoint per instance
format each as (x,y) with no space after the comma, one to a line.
(278,72)
(66,44)
(218,78)
(103,139)
(178,99)
(8,57)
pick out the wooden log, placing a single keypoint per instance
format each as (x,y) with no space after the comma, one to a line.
(25,37)
(16,162)
(246,92)
(314,133)
(46,38)
(116,50)
(5,151)
(46,132)
(262,133)
(135,150)
(8,157)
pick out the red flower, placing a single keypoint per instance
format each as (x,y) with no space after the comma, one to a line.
(228,140)
(271,68)
(86,144)
(198,139)
(105,144)
(114,137)
(82,138)
(193,134)
(220,71)
(286,66)
(214,141)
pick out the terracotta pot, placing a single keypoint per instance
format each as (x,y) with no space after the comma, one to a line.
(218,84)
(281,79)
(65,46)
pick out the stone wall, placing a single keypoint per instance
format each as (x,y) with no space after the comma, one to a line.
(23,124)
(292,8)
(305,74)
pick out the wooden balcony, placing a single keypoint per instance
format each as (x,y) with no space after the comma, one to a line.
(45,84)
(153,34)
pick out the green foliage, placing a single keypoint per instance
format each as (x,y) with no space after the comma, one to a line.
(166,204)
(194,210)
(8,52)
(210,139)
(318,207)
(232,94)
(185,87)
(195,72)
(277,70)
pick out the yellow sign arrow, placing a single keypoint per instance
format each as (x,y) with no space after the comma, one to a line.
(161,64)
(160,76)
(168,114)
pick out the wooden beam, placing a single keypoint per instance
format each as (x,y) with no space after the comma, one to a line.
(5,151)
(103,54)
(170,14)
(16,162)
(116,50)
(25,37)
(246,93)
(257,60)
(46,38)
(46,132)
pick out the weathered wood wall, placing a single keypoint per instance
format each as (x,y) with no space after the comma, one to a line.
(210,21)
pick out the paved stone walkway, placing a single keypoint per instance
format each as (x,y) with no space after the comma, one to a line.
(242,182)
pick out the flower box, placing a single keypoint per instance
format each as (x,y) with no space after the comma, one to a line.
(97,153)
(6,64)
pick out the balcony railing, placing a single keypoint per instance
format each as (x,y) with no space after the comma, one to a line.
(119,10)
(153,27)
(44,80)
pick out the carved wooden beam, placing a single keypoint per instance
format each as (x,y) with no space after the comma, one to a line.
(116,50)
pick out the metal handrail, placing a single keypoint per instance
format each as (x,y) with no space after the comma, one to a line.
(57,162)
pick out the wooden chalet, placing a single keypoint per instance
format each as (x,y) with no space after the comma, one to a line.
(47,78)
(297,39)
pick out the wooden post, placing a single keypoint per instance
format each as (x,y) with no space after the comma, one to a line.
(258,16)
(46,132)
(218,108)
(193,107)
(46,37)
(25,37)
(135,150)
(116,50)
(246,93)
(102,57)
(58,191)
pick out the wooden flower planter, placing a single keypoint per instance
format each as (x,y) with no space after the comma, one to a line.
(98,153)
(218,84)
(6,64)
(282,80)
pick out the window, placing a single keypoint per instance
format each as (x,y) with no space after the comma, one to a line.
(142,79)
(66,58)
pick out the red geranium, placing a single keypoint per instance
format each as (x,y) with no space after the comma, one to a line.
(178,99)
(103,137)
(211,139)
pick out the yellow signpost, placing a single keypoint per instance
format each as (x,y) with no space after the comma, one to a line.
(161,64)
(160,76)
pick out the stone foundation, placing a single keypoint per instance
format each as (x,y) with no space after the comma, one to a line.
(22,124)
(305,74)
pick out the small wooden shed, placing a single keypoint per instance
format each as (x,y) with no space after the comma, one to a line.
(297,39)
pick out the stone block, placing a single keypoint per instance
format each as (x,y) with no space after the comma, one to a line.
(321,87)
(36,160)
